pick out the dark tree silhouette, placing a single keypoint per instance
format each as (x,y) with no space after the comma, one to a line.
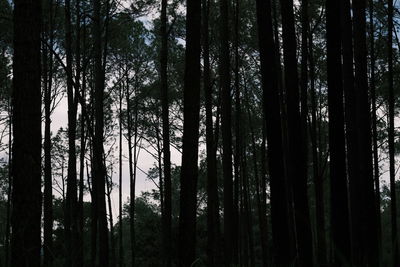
(296,158)
(366,220)
(213,230)
(392,167)
(26,167)
(165,134)
(191,117)
(99,172)
(338,181)
(279,204)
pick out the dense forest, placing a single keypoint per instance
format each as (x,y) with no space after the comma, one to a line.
(199,133)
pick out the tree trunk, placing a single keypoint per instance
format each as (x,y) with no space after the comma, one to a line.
(9,189)
(304,82)
(374,127)
(71,205)
(271,106)
(351,122)
(131,172)
(120,235)
(392,167)
(230,236)
(368,237)
(296,159)
(338,181)
(98,151)
(167,235)
(212,183)
(110,217)
(48,180)
(26,167)
(79,204)
(191,116)
(261,206)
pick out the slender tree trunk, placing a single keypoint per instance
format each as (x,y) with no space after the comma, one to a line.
(94,210)
(98,151)
(167,235)
(212,183)
(131,172)
(392,167)
(304,82)
(317,176)
(271,105)
(368,237)
(71,206)
(9,189)
(374,127)
(296,159)
(351,118)
(120,235)
(79,204)
(26,167)
(191,117)
(110,217)
(239,207)
(81,189)
(230,237)
(48,180)
(135,161)
(262,212)
(338,182)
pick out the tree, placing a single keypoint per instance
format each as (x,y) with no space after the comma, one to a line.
(165,134)
(48,180)
(71,222)
(392,167)
(26,168)
(224,72)
(212,182)
(191,101)
(279,193)
(367,234)
(98,151)
(296,159)
(338,181)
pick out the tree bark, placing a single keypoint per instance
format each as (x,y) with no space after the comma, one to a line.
(191,116)
(71,222)
(392,167)
(131,171)
(271,106)
(338,182)
(367,232)
(120,235)
(230,237)
(48,180)
(26,167)
(167,217)
(212,183)
(296,159)
(98,150)
(317,176)
(374,127)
